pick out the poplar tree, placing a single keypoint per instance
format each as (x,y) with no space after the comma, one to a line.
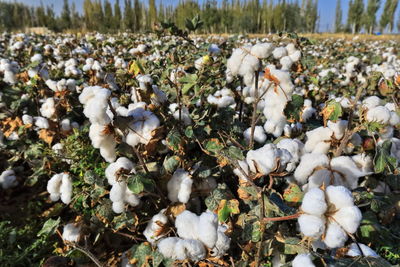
(370,15)
(338,16)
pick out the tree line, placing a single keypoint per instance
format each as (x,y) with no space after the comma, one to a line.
(226,16)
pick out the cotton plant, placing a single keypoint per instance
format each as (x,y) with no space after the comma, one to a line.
(196,234)
(329,215)
(120,195)
(60,187)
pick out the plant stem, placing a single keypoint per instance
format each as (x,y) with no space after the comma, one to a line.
(283,218)
(254,116)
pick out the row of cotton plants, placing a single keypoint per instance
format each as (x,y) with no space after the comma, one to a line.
(167,149)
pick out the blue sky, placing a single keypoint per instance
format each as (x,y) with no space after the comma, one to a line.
(326,9)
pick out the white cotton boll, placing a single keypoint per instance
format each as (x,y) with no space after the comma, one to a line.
(37,58)
(222,244)
(185,190)
(347,168)
(249,65)
(263,160)
(349,218)
(66,189)
(234,62)
(207,228)
(118,207)
(307,165)
(185,117)
(27,119)
(338,128)
(131,198)
(8,179)
(378,114)
(320,177)
(314,202)
(295,148)
(222,98)
(311,225)
(354,251)
(214,49)
(117,192)
(259,134)
(339,196)
(48,108)
(279,52)
(52,85)
(10,77)
(180,186)
(308,111)
(335,237)
(195,250)
(65,125)
(363,162)
(71,232)
(187,225)
(262,50)
(286,62)
(394,118)
(167,246)
(295,56)
(371,102)
(302,260)
(53,187)
(154,227)
(316,140)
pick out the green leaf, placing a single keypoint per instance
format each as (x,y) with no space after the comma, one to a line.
(139,183)
(171,163)
(49,227)
(293,193)
(294,107)
(234,152)
(143,254)
(332,111)
(125,220)
(174,140)
(383,159)
(214,145)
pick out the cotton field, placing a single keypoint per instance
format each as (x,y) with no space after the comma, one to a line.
(174,150)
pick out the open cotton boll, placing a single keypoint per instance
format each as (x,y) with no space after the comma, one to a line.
(314,202)
(8,179)
(308,111)
(195,250)
(307,165)
(263,160)
(348,218)
(117,192)
(316,140)
(378,114)
(48,108)
(296,150)
(222,98)
(185,116)
(144,80)
(354,251)
(262,50)
(338,128)
(180,186)
(153,231)
(222,244)
(335,237)
(118,207)
(53,187)
(37,58)
(339,196)
(167,247)
(233,63)
(371,102)
(286,62)
(363,162)
(394,119)
(66,188)
(214,49)
(311,225)
(302,260)
(259,134)
(279,52)
(348,169)
(207,228)
(71,232)
(295,56)
(187,225)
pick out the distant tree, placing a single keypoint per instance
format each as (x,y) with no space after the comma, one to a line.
(65,19)
(354,18)
(370,15)
(387,17)
(338,16)
(152,13)
(108,16)
(117,16)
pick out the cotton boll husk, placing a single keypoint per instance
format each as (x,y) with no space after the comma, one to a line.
(66,189)
(259,134)
(379,114)
(338,128)
(335,237)
(311,225)
(8,179)
(71,232)
(207,229)
(349,218)
(302,260)
(118,207)
(195,250)
(347,168)
(314,202)
(279,52)
(53,187)
(339,196)
(117,192)
(187,224)
(354,251)
(167,246)
(307,165)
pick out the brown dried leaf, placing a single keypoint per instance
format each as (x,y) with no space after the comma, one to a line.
(47,135)
(9,125)
(175,209)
